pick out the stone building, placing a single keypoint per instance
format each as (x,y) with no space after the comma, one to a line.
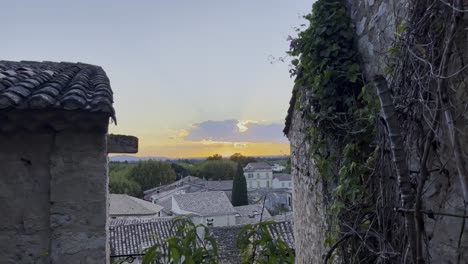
(208,208)
(281,181)
(258,175)
(53,162)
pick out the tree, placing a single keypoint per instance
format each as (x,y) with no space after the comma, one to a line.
(152,173)
(243,160)
(119,182)
(123,185)
(217,169)
(288,166)
(215,157)
(239,188)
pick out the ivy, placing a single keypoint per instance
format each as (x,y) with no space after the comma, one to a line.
(261,243)
(343,110)
(191,244)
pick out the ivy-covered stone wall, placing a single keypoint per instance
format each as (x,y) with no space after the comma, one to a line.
(375,24)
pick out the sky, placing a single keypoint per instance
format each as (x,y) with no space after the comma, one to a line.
(190,78)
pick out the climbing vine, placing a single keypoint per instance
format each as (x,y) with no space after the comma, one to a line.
(343,111)
(373,216)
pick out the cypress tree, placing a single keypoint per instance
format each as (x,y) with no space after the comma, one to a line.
(239,188)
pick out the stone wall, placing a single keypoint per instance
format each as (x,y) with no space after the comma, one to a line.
(375,23)
(53,191)
(308,202)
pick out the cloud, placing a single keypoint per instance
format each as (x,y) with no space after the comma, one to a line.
(236,131)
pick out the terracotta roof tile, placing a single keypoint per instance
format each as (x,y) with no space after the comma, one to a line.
(131,237)
(55,85)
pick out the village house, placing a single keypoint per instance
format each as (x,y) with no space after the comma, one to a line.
(258,175)
(162,195)
(276,200)
(282,181)
(208,208)
(251,214)
(54,120)
(128,207)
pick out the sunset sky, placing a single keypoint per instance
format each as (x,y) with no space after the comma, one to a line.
(190,78)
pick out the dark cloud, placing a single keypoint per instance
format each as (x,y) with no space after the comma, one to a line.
(228,131)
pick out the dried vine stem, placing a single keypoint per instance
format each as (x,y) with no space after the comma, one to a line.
(431,213)
(399,157)
(442,87)
(423,68)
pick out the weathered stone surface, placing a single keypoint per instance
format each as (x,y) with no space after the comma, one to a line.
(308,203)
(443,191)
(376,22)
(24,197)
(79,200)
(122,144)
(53,192)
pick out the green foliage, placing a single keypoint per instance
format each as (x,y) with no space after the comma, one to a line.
(119,181)
(215,157)
(151,173)
(241,159)
(343,111)
(261,243)
(183,169)
(288,166)
(217,169)
(239,188)
(191,244)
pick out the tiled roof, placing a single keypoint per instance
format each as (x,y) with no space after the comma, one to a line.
(286,231)
(188,180)
(258,166)
(54,85)
(137,220)
(226,238)
(250,214)
(219,185)
(282,176)
(205,203)
(127,238)
(122,204)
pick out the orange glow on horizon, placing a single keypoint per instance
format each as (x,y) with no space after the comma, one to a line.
(200,149)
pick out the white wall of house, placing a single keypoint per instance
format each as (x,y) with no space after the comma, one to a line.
(277,184)
(218,220)
(258,179)
(278,167)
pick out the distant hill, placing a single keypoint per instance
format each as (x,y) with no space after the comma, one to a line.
(129,158)
(123,158)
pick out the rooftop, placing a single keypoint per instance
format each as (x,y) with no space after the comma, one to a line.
(225,185)
(132,238)
(129,238)
(250,214)
(258,166)
(124,205)
(205,203)
(55,85)
(188,180)
(282,176)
